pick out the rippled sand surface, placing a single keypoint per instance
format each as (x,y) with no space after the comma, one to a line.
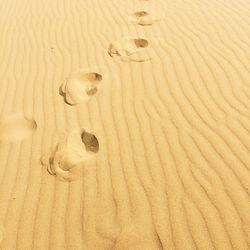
(124,124)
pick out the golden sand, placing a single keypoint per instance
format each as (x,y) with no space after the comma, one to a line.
(125,124)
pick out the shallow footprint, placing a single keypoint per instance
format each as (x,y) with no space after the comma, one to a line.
(16,127)
(130,49)
(143,18)
(80,86)
(71,151)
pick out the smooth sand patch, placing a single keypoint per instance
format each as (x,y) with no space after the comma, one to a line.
(16,127)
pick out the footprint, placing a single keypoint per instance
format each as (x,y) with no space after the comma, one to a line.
(16,127)
(71,151)
(80,86)
(143,18)
(130,49)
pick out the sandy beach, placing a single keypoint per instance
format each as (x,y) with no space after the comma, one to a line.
(125,125)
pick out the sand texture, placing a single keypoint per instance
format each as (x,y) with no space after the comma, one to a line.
(124,124)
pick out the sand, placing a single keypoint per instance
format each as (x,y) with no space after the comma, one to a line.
(125,124)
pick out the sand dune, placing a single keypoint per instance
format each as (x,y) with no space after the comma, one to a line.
(125,124)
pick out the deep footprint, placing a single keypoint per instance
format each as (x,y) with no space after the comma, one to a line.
(80,86)
(16,127)
(71,151)
(130,49)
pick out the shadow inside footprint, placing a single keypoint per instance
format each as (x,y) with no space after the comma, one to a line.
(130,49)
(141,13)
(80,86)
(90,141)
(140,43)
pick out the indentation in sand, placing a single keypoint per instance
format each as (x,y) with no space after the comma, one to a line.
(90,141)
(141,14)
(130,49)
(16,127)
(143,18)
(80,86)
(72,150)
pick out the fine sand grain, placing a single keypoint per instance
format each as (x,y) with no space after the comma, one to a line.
(125,125)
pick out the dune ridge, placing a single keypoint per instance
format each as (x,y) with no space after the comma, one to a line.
(169,137)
